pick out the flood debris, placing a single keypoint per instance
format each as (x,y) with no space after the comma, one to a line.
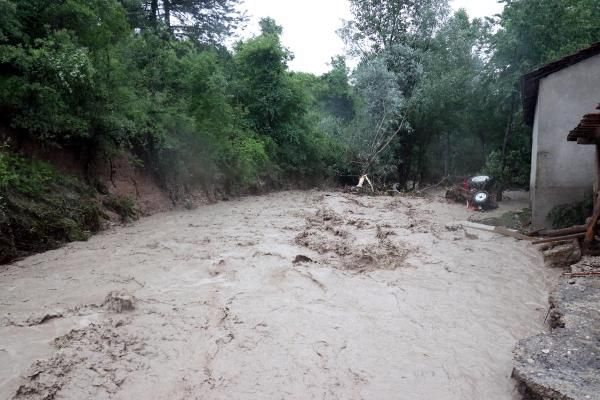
(328,233)
(91,362)
(362,180)
(302,259)
(43,318)
(488,228)
(119,301)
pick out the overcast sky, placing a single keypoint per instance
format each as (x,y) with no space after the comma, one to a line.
(309,26)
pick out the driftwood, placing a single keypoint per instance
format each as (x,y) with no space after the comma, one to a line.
(560,238)
(432,186)
(361,182)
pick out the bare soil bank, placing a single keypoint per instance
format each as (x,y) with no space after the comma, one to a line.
(292,295)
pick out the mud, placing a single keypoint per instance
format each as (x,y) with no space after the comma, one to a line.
(294,295)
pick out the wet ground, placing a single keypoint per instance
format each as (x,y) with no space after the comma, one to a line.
(294,295)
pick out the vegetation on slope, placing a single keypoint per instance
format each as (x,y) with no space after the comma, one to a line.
(41,209)
(434,93)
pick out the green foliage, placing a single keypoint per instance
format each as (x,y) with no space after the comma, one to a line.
(40,209)
(459,79)
(123,206)
(381,24)
(251,160)
(29,177)
(195,113)
(567,215)
(207,21)
(434,94)
(516,171)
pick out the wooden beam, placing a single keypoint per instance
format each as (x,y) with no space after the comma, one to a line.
(584,140)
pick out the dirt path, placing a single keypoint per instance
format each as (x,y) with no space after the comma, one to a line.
(384,302)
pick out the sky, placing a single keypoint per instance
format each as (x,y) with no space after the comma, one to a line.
(309,26)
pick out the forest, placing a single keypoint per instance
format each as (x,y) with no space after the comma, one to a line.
(434,94)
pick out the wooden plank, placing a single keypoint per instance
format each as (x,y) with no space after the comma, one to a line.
(496,229)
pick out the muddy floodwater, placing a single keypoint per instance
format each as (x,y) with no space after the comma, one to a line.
(294,295)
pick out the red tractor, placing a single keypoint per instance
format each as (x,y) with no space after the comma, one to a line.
(477,191)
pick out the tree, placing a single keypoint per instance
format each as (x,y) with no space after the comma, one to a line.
(335,97)
(380,24)
(268,26)
(207,21)
(529,34)
(443,99)
(381,116)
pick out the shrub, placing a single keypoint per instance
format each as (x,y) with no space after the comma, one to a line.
(566,215)
(41,209)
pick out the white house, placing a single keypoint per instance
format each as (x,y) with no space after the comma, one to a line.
(555,98)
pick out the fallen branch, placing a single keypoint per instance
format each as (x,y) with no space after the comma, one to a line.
(433,186)
(385,145)
(361,182)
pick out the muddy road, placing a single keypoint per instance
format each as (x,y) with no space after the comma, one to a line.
(294,295)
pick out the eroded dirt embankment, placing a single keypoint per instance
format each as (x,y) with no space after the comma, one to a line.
(295,295)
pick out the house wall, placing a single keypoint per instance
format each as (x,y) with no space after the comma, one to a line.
(562,172)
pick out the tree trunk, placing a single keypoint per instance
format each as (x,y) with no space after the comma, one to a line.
(507,134)
(422,163)
(481,135)
(403,155)
(154,12)
(167,9)
(447,155)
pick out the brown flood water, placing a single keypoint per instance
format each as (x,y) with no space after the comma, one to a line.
(387,303)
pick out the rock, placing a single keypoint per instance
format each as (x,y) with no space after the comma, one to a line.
(563,364)
(561,254)
(587,264)
(300,259)
(119,301)
(553,375)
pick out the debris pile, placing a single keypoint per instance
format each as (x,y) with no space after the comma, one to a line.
(119,301)
(98,356)
(328,233)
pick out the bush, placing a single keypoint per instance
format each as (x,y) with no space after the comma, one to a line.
(41,209)
(516,171)
(567,215)
(123,206)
